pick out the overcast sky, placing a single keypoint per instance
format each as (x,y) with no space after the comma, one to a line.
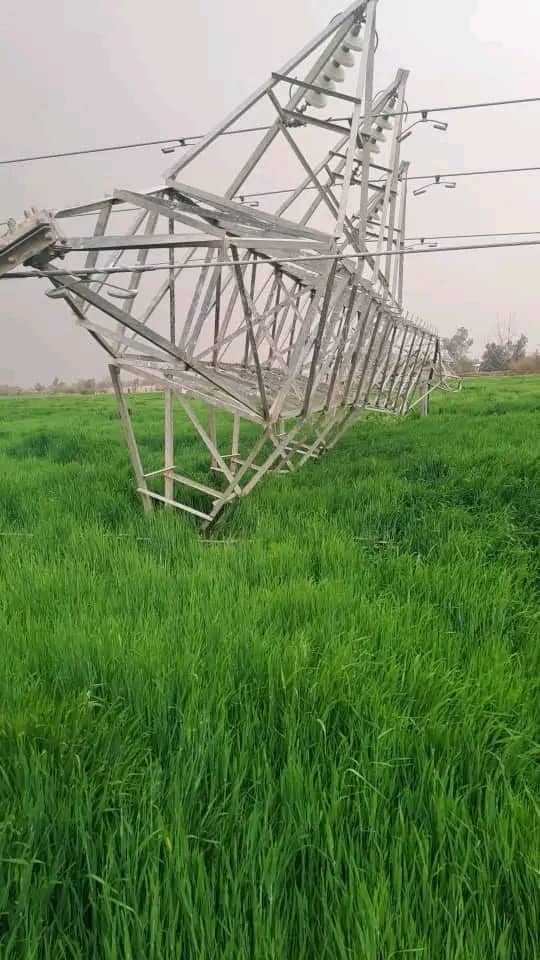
(77,74)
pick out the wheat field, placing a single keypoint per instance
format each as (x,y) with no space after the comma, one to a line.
(312,736)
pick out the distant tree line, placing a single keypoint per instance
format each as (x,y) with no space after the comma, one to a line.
(83,386)
(504,354)
(89,385)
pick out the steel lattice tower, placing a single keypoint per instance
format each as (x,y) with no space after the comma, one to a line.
(293,319)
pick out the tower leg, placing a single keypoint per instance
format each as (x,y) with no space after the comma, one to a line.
(169,444)
(212,429)
(130,438)
(235,448)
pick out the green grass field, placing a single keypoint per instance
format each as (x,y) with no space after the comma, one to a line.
(321,741)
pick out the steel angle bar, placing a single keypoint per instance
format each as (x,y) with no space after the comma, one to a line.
(261,317)
(320,436)
(364,90)
(182,387)
(252,287)
(324,336)
(436,358)
(394,327)
(225,340)
(378,357)
(337,316)
(284,333)
(297,316)
(432,389)
(274,352)
(102,244)
(341,348)
(81,320)
(257,219)
(397,284)
(207,440)
(112,262)
(147,334)
(277,453)
(404,368)
(172,289)
(295,194)
(142,257)
(164,288)
(310,120)
(342,21)
(392,179)
(230,492)
(336,34)
(168,394)
(200,487)
(404,392)
(318,338)
(251,335)
(377,108)
(369,309)
(323,193)
(378,105)
(295,356)
(367,357)
(392,375)
(261,469)
(119,340)
(175,503)
(416,377)
(131,440)
(388,238)
(99,230)
(189,337)
(83,209)
(343,156)
(165,208)
(284,451)
(334,94)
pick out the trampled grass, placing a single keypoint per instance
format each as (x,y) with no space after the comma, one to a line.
(320,741)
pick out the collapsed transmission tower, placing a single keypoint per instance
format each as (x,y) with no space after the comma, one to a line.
(290,320)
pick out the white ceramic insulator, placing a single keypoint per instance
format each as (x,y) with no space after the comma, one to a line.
(344,57)
(316,100)
(373,148)
(335,72)
(354,42)
(325,82)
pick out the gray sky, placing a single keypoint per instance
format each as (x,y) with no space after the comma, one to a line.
(87,74)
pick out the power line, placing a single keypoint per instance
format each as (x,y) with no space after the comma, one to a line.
(284,190)
(193,138)
(316,258)
(475,173)
(423,176)
(176,141)
(467,236)
(464,106)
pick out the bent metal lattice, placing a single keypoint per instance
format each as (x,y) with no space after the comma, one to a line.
(290,317)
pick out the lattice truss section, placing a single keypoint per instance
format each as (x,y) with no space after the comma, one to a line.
(289,318)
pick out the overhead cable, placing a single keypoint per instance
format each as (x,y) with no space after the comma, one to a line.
(182,141)
(270,261)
